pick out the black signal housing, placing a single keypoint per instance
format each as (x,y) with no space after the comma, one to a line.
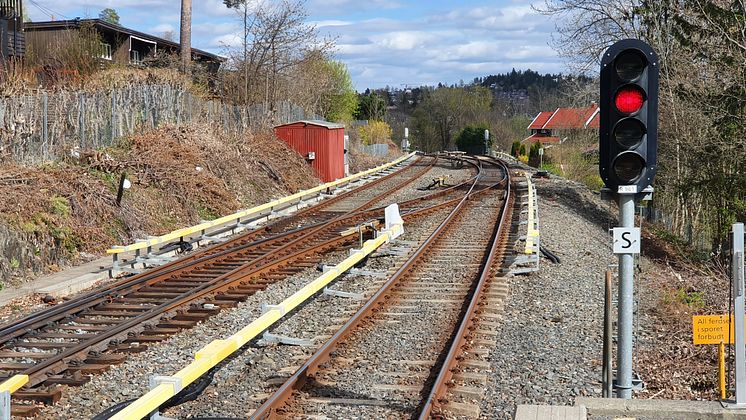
(628,108)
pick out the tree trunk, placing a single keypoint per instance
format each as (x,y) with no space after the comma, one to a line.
(186,35)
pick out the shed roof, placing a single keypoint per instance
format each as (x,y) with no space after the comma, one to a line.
(569,118)
(595,120)
(318,123)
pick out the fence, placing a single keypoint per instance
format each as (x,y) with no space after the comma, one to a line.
(47,125)
(377,149)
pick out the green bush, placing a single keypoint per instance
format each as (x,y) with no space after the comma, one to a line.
(515,148)
(552,168)
(593,182)
(65,238)
(693,299)
(471,139)
(60,206)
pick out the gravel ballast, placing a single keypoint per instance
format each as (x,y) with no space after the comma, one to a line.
(247,379)
(548,349)
(550,343)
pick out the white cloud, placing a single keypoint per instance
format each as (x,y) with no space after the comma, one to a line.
(162,28)
(403,41)
(382,41)
(350,6)
(330,23)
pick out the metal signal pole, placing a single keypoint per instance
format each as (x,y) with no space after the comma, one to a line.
(626,300)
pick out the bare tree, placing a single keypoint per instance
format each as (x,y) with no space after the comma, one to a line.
(185,38)
(276,39)
(587,27)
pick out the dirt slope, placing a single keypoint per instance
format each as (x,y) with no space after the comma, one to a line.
(58,213)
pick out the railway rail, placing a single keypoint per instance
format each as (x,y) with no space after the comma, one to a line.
(65,343)
(400,352)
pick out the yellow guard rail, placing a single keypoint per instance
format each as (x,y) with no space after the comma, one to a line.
(180,233)
(214,352)
(532,231)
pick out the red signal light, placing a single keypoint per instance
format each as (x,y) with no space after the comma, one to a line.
(629,99)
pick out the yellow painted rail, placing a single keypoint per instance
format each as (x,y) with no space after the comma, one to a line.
(532,230)
(214,352)
(14,383)
(180,233)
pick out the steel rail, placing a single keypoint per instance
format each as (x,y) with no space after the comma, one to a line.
(439,387)
(311,366)
(15,328)
(41,371)
(58,363)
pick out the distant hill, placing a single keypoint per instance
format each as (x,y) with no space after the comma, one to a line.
(517,80)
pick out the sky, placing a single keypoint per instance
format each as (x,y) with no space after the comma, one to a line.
(394,43)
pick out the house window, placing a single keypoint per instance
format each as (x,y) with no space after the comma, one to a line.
(135,57)
(105,51)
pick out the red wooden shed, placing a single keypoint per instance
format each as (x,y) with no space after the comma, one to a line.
(320,142)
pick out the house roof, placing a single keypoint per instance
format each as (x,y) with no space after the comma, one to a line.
(542,138)
(540,119)
(594,121)
(318,123)
(77,23)
(566,118)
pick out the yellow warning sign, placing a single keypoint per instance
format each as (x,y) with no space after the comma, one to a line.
(712,329)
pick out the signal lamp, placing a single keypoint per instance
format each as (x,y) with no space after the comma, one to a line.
(629,65)
(628,167)
(628,116)
(629,132)
(629,99)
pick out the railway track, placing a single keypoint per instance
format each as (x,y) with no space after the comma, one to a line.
(66,343)
(397,356)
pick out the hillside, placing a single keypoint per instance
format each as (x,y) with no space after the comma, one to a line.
(63,212)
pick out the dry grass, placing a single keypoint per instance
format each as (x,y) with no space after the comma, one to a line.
(180,174)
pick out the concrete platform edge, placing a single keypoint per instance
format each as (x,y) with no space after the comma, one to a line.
(659,409)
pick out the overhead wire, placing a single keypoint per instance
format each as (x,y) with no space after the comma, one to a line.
(47,11)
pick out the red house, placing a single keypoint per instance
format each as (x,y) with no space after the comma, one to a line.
(547,127)
(320,142)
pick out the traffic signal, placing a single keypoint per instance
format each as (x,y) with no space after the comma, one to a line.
(628,133)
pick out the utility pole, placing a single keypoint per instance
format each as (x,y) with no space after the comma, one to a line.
(185,37)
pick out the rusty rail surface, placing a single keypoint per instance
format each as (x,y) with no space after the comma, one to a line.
(278,401)
(460,342)
(97,329)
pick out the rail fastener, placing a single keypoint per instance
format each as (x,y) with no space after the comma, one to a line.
(218,350)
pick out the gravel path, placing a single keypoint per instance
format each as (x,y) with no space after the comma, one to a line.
(549,348)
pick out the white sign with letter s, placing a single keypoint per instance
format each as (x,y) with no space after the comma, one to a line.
(626,240)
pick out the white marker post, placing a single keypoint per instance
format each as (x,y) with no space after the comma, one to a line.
(737,276)
(541,157)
